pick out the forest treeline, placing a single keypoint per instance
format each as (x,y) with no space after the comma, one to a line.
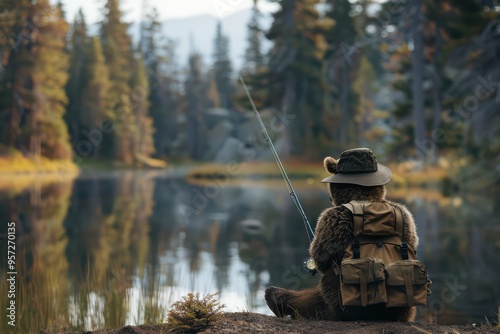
(417,80)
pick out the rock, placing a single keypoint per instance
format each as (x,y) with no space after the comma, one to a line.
(229,151)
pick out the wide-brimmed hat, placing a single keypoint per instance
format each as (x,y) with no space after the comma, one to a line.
(357,166)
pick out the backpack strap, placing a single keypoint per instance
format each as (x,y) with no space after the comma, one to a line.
(356,209)
(400,221)
(400,230)
(358,222)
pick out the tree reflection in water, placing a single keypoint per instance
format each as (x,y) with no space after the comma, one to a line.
(119,248)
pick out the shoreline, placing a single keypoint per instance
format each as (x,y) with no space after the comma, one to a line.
(247,322)
(302,174)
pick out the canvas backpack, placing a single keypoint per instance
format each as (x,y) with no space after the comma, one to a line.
(380,266)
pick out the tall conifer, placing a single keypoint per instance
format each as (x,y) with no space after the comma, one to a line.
(140,107)
(163,96)
(96,100)
(342,63)
(222,68)
(16,89)
(117,51)
(196,99)
(77,77)
(254,57)
(294,79)
(34,81)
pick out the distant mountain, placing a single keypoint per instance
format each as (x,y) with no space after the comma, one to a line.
(197,33)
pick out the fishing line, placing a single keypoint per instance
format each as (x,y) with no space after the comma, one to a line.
(295,199)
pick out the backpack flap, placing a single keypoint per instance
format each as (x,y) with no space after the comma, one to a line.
(362,282)
(406,283)
(376,218)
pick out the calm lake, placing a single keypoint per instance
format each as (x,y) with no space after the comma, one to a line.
(111,249)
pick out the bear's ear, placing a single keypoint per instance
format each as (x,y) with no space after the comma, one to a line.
(330,165)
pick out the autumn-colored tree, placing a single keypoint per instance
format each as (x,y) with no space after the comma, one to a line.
(33,95)
(369,121)
(16,90)
(96,101)
(118,54)
(140,107)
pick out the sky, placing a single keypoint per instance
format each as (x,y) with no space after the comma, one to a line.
(167,9)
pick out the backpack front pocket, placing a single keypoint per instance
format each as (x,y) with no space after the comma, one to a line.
(406,283)
(362,282)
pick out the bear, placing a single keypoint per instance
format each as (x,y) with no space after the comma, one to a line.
(355,176)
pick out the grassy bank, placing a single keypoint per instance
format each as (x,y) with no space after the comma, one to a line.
(312,173)
(110,165)
(19,164)
(18,173)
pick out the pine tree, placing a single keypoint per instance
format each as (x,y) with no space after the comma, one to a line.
(294,81)
(77,78)
(96,100)
(11,15)
(195,88)
(171,86)
(411,68)
(222,68)
(445,30)
(164,98)
(470,103)
(367,117)
(16,90)
(417,57)
(150,35)
(254,58)
(342,63)
(51,73)
(140,107)
(117,51)
(254,67)
(36,74)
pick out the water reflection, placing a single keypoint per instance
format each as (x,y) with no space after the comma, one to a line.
(114,249)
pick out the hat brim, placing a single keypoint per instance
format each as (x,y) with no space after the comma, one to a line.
(380,177)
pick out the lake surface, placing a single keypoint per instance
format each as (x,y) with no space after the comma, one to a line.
(119,248)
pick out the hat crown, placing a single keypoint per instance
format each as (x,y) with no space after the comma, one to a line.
(358,160)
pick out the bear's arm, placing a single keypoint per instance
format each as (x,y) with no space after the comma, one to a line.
(410,232)
(333,234)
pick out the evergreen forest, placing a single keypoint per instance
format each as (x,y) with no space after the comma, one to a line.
(416,81)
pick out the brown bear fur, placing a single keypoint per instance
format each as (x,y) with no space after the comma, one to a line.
(333,235)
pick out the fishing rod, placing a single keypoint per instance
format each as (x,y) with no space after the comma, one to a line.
(309,264)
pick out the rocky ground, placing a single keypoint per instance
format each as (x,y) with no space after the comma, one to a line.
(259,323)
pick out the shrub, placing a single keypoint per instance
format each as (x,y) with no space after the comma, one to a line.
(192,314)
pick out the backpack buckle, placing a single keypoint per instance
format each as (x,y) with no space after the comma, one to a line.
(355,249)
(404,250)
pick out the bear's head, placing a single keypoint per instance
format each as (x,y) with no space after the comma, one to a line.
(341,193)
